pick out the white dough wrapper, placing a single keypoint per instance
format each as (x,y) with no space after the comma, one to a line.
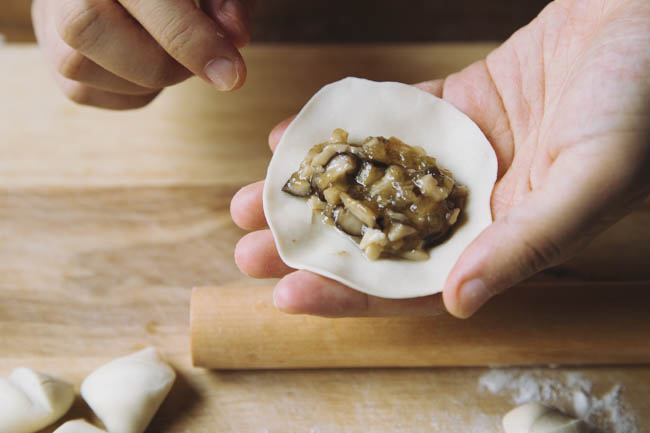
(30,401)
(126,392)
(78,426)
(367,108)
(537,418)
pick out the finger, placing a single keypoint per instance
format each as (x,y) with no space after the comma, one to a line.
(86,95)
(70,63)
(246,207)
(548,226)
(473,92)
(276,134)
(105,33)
(434,87)
(233,16)
(303,292)
(257,256)
(192,38)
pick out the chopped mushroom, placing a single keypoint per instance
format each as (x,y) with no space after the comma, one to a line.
(369,173)
(372,242)
(339,136)
(359,210)
(391,198)
(297,186)
(399,231)
(347,222)
(338,167)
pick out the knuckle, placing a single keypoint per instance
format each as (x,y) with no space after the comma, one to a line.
(541,253)
(177,35)
(71,65)
(79,25)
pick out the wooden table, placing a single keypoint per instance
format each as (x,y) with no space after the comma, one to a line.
(107,219)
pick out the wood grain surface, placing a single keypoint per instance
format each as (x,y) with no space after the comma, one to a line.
(547,323)
(107,219)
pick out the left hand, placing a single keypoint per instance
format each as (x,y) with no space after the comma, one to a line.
(565,103)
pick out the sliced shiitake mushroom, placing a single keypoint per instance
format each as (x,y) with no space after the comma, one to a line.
(359,210)
(336,169)
(297,186)
(347,222)
(390,197)
(369,173)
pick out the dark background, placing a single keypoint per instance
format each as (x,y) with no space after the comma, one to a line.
(354,21)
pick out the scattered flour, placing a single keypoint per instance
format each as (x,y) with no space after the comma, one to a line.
(569,392)
(477,423)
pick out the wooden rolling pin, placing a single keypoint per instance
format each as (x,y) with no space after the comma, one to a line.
(536,323)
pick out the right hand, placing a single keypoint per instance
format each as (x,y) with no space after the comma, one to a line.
(121,54)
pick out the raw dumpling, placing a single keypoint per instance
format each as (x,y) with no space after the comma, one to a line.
(365,108)
(78,426)
(30,401)
(537,418)
(126,393)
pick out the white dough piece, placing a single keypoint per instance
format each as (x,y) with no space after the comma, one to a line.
(366,108)
(537,418)
(78,426)
(126,392)
(30,401)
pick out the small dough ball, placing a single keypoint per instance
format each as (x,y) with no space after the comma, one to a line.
(78,426)
(126,393)
(537,418)
(30,401)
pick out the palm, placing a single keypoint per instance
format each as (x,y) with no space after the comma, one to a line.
(548,90)
(564,103)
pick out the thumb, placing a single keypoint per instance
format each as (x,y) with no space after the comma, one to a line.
(191,37)
(547,226)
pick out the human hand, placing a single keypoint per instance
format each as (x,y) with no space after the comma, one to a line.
(565,103)
(120,54)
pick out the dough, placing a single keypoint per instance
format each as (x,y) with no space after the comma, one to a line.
(78,426)
(126,393)
(366,108)
(537,418)
(30,401)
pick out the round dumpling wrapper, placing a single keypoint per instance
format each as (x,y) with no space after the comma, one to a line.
(367,108)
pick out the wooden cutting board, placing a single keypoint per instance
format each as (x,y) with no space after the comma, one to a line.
(108,219)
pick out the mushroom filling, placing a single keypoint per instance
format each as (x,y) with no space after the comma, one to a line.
(391,198)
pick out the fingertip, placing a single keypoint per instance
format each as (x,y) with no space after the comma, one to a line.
(283,297)
(465,300)
(303,292)
(226,74)
(246,207)
(276,133)
(451,301)
(256,256)
(242,73)
(451,293)
(246,257)
(241,254)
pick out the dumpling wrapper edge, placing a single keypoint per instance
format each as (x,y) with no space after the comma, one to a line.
(367,108)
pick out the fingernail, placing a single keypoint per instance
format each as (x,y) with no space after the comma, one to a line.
(223,73)
(472,295)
